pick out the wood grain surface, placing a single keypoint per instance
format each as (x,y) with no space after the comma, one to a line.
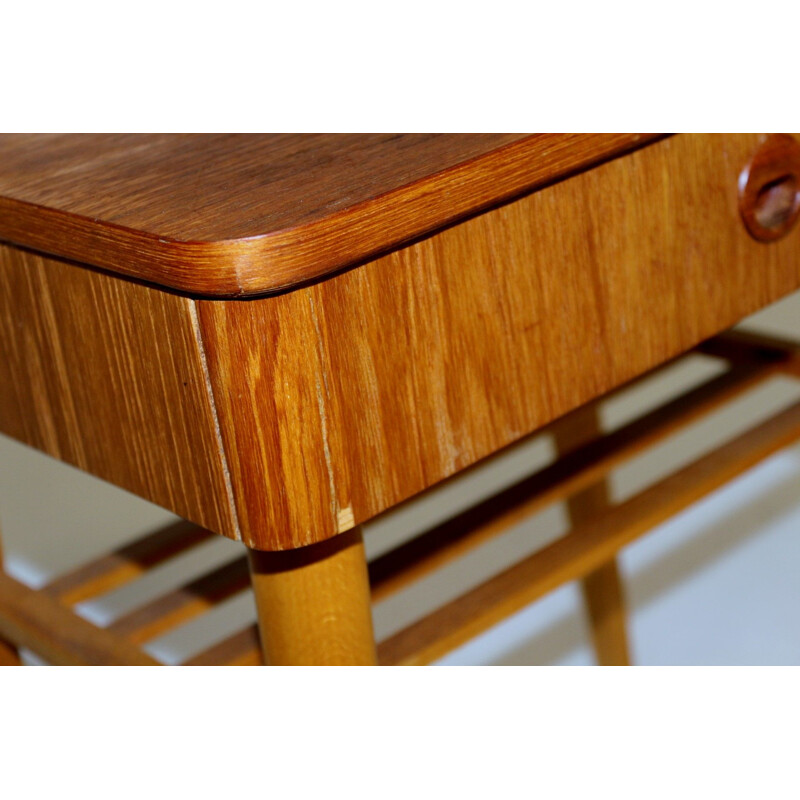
(227,214)
(287,419)
(107,375)
(341,399)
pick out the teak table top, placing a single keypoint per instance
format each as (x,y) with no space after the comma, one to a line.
(238,214)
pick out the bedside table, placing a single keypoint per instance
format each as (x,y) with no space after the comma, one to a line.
(281,337)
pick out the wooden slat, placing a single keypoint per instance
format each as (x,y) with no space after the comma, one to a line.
(124,565)
(9,655)
(34,620)
(243,649)
(586,548)
(574,472)
(749,347)
(183,604)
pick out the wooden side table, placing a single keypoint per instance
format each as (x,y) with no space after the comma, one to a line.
(281,337)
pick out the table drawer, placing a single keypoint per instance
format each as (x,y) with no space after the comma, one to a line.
(366,388)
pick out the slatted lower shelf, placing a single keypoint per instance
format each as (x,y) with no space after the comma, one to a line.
(44,621)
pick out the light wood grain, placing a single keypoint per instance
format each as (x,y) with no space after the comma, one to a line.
(314,604)
(228,214)
(108,375)
(339,400)
(586,548)
(34,620)
(602,588)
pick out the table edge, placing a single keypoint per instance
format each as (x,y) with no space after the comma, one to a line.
(284,259)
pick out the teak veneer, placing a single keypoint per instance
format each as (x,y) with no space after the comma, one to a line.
(430,300)
(246,214)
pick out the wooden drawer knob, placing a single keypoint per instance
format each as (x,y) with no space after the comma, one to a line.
(769,188)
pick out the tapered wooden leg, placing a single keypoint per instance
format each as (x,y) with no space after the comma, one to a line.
(602,592)
(9,656)
(314,603)
(602,589)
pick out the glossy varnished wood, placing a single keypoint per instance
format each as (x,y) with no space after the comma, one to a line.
(341,399)
(769,188)
(243,214)
(287,420)
(108,375)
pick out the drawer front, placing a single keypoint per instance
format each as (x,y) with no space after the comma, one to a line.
(341,399)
